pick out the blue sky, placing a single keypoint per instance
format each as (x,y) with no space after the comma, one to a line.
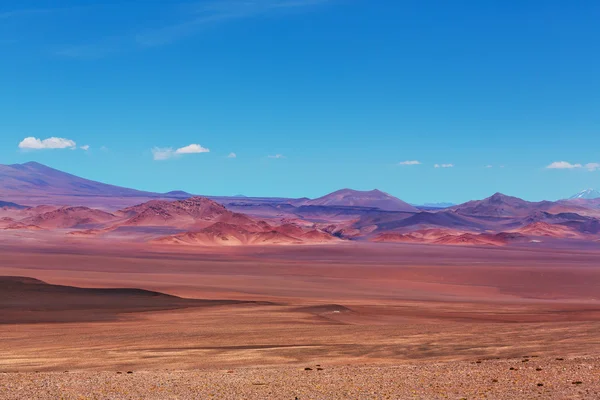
(310,95)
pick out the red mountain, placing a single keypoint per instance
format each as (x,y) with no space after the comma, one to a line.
(500,205)
(195,212)
(356,198)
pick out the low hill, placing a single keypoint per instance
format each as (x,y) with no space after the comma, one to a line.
(70,217)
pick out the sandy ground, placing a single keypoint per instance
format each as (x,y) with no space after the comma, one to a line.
(537,378)
(398,321)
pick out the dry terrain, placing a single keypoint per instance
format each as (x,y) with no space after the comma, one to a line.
(400,321)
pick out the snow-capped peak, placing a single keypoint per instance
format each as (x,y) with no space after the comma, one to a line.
(587,194)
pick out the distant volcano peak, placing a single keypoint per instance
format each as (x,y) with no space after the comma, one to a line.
(586,194)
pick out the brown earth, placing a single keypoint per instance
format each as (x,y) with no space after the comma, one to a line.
(396,303)
(391,320)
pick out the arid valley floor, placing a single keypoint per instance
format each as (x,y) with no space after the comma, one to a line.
(356,320)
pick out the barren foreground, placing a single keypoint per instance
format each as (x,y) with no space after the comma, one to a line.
(398,321)
(537,378)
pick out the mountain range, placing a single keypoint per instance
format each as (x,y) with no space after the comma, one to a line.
(36,198)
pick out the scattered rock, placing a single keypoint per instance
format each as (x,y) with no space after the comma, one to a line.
(130,372)
(577,382)
(308,369)
(538,369)
(540,384)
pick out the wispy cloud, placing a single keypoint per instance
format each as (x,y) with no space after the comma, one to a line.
(85,147)
(489,166)
(24,12)
(563,165)
(567,165)
(443,166)
(232,155)
(409,162)
(277,156)
(592,166)
(166,153)
(202,15)
(186,20)
(32,143)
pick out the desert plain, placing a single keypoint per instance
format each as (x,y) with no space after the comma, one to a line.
(351,320)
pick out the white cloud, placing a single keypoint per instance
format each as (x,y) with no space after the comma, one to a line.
(592,166)
(32,143)
(489,166)
(165,153)
(232,155)
(563,165)
(277,156)
(85,147)
(443,166)
(410,162)
(192,149)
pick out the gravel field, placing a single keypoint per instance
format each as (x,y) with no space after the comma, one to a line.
(529,377)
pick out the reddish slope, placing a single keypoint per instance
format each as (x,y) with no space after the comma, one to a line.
(449,237)
(70,217)
(418,236)
(224,234)
(547,230)
(470,239)
(356,198)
